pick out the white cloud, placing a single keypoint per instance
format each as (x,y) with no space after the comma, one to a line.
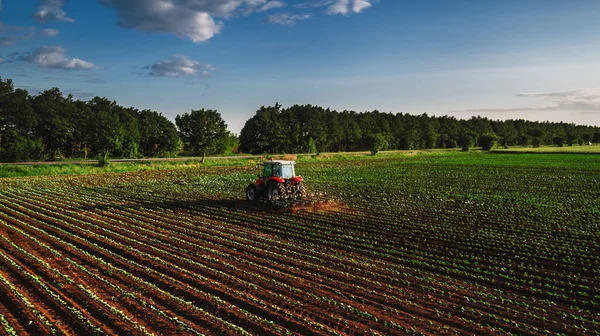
(314,4)
(286,19)
(194,19)
(346,7)
(583,101)
(54,57)
(271,5)
(179,66)
(1,60)
(48,32)
(10,40)
(51,10)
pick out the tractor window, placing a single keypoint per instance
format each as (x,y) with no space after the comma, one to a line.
(268,170)
(277,170)
(287,171)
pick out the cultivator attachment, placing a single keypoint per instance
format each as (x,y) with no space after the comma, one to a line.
(280,188)
(306,202)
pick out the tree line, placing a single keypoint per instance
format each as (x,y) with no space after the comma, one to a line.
(50,126)
(311,129)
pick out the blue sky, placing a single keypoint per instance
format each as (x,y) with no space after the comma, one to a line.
(528,59)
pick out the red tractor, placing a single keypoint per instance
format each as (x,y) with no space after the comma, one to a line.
(278,180)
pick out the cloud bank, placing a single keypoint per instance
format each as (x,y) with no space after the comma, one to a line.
(271,5)
(51,10)
(10,40)
(53,57)
(179,66)
(585,101)
(286,19)
(343,7)
(193,19)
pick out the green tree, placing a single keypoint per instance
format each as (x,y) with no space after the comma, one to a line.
(17,147)
(558,141)
(18,122)
(311,147)
(80,119)
(311,125)
(292,136)
(158,135)
(507,133)
(536,137)
(335,131)
(54,126)
(467,140)
(226,145)
(429,131)
(487,141)
(264,132)
(377,142)
(352,131)
(105,132)
(201,130)
(572,139)
(130,131)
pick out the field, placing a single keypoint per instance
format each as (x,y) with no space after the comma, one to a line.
(455,243)
(552,149)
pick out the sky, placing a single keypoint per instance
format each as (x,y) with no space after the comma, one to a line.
(524,59)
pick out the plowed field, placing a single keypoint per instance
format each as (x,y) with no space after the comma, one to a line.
(450,244)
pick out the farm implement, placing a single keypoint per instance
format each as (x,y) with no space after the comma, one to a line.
(278,186)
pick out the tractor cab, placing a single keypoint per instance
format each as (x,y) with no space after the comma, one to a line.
(281,169)
(278,179)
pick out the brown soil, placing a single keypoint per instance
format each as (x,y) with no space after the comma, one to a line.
(218,266)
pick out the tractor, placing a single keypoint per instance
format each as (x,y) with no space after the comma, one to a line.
(277,181)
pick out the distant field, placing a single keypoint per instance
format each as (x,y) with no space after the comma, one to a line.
(445,243)
(553,149)
(134,165)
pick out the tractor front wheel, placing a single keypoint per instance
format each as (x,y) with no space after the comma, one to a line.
(276,191)
(251,193)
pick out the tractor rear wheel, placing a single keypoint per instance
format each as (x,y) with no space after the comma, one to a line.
(251,193)
(301,190)
(276,191)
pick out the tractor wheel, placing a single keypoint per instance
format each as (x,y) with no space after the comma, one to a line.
(251,193)
(276,191)
(301,190)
